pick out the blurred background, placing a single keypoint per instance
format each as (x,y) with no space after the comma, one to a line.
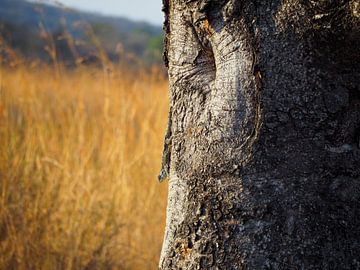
(83,110)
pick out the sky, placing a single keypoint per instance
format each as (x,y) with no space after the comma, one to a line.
(145,10)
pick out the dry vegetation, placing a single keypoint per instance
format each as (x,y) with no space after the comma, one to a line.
(79,155)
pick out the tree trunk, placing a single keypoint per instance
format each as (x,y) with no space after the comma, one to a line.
(262,149)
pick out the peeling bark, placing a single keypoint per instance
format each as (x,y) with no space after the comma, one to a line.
(262,146)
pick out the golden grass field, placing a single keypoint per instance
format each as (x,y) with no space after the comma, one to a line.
(80,151)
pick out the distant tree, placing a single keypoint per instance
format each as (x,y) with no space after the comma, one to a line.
(262,150)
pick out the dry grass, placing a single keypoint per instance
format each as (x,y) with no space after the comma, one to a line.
(79,155)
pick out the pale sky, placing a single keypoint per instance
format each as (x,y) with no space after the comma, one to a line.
(145,10)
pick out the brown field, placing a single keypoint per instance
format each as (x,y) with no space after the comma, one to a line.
(80,151)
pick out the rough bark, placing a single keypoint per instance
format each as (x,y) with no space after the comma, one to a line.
(262,149)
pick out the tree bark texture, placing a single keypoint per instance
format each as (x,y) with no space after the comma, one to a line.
(262,149)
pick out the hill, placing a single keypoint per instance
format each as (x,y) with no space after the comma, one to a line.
(37,30)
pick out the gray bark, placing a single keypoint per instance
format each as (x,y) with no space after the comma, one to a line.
(262,149)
